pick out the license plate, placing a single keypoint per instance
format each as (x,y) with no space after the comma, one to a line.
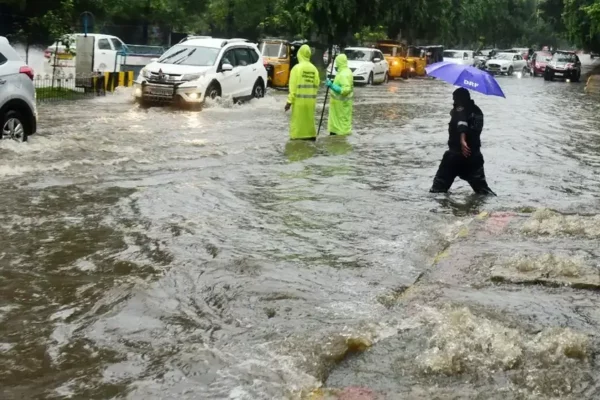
(160,91)
(558,74)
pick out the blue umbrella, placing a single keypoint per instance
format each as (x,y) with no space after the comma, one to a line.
(465,76)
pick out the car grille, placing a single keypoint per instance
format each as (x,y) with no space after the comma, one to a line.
(493,66)
(159,91)
(167,77)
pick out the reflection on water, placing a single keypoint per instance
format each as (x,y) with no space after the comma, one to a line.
(161,253)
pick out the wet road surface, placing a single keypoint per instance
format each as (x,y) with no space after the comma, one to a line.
(199,255)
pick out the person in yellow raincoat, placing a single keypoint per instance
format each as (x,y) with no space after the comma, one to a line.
(303,87)
(342,98)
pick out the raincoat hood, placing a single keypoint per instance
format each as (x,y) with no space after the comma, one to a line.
(341,62)
(304,53)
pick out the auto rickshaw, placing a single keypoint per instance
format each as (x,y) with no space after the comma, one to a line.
(433,54)
(417,60)
(394,53)
(279,57)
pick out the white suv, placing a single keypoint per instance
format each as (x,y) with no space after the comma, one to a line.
(195,69)
(18,113)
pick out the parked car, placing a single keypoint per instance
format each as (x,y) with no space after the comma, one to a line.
(524,51)
(190,72)
(368,65)
(506,63)
(482,57)
(18,112)
(563,65)
(537,63)
(465,57)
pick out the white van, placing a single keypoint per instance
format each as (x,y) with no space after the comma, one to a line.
(63,52)
(465,57)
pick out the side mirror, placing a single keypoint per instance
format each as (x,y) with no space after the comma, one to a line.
(376,60)
(226,68)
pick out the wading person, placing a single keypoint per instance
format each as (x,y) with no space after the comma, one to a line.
(303,87)
(463,159)
(340,106)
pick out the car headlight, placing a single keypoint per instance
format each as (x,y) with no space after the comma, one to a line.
(191,77)
(145,73)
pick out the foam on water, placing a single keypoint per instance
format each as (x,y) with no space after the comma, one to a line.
(551,223)
(549,265)
(465,343)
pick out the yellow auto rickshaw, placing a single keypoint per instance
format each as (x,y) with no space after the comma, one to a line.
(417,59)
(394,54)
(279,57)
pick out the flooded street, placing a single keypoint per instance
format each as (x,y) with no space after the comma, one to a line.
(161,254)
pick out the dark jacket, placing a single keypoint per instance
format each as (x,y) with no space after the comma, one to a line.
(467,120)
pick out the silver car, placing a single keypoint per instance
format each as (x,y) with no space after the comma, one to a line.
(18,113)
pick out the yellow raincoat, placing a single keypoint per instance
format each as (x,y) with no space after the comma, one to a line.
(340,107)
(304,85)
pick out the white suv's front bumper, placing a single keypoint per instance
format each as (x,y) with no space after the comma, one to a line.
(168,93)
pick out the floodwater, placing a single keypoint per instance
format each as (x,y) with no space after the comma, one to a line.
(200,255)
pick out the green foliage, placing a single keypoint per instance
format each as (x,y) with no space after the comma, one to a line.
(464,23)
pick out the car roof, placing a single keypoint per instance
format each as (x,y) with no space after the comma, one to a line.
(360,48)
(458,50)
(508,53)
(216,43)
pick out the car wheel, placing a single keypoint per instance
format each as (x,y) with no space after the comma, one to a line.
(258,92)
(213,91)
(14,126)
(510,71)
(525,70)
(370,81)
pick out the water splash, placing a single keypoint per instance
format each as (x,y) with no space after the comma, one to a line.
(551,223)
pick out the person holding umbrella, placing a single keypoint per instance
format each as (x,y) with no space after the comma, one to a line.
(463,158)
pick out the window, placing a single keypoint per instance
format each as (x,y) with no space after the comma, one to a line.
(254,56)
(2,59)
(190,55)
(229,58)
(117,44)
(358,55)
(379,55)
(103,44)
(243,57)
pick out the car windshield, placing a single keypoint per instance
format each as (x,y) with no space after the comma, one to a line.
(190,55)
(358,55)
(453,54)
(387,50)
(505,56)
(543,57)
(566,58)
(274,50)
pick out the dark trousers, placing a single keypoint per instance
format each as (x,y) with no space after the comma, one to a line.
(469,169)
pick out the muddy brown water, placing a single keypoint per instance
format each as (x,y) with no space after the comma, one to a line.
(199,255)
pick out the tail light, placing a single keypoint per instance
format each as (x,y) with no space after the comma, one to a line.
(27,71)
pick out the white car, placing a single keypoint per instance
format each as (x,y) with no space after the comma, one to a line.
(61,55)
(196,69)
(464,57)
(506,63)
(18,112)
(368,65)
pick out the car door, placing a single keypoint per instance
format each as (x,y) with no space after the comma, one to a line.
(377,67)
(384,64)
(247,70)
(229,80)
(118,46)
(105,57)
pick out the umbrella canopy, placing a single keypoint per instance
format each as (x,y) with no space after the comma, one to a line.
(465,76)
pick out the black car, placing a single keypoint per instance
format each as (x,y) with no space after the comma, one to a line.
(563,65)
